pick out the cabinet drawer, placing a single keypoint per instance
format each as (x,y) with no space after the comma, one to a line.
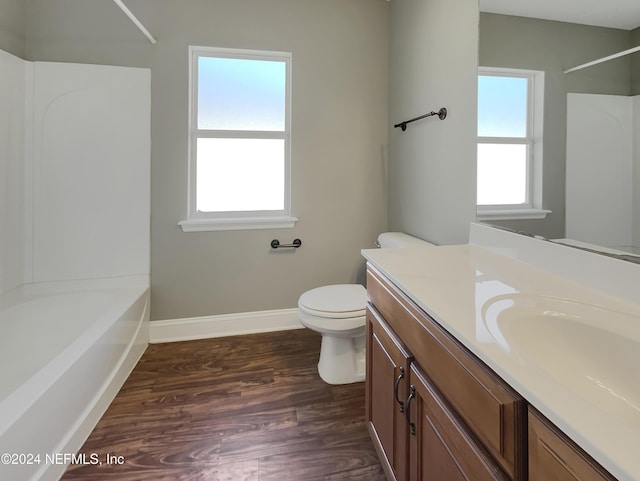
(494,412)
(442,447)
(554,457)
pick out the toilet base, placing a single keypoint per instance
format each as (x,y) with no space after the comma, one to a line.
(342,359)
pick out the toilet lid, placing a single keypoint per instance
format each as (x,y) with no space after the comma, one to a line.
(348,299)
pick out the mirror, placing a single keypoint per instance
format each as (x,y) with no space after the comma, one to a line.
(591,146)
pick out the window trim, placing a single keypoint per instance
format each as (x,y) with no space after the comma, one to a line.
(198,221)
(532,208)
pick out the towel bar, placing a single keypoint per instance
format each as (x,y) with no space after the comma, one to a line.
(442,114)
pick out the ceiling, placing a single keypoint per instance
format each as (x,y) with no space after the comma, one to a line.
(623,14)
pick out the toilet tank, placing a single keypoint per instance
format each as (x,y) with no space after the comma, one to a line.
(399,239)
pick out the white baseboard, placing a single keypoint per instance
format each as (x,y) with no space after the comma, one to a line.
(205,327)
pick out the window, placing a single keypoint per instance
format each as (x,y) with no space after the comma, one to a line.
(510,105)
(239,140)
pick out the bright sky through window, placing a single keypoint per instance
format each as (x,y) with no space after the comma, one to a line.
(241,94)
(502,106)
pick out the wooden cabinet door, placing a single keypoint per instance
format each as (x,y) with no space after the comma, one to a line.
(554,457)
(386,391)
(441,447)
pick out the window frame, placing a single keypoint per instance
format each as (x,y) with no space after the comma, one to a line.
(235,220)
(533,140)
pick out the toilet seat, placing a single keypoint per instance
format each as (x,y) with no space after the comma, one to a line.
(339,301)
(344,326)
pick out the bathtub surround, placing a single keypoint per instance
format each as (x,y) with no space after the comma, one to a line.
(74,258)
(13,88)
(75,202)
(90,172)
(602,131)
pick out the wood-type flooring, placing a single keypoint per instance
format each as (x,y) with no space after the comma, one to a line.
(243,408)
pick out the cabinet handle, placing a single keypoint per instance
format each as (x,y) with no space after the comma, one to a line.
(412,394)
(395,390)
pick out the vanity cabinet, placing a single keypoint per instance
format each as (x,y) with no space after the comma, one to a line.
(441,446)
(387,389)
(459,407)
(554,457)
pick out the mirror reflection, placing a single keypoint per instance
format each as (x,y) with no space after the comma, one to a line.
(583,174)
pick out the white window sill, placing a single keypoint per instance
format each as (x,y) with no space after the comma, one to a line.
(512,214)
(241,223)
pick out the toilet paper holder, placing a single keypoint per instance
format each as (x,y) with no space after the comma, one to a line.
(275,244)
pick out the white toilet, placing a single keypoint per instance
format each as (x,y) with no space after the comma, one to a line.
(338,313)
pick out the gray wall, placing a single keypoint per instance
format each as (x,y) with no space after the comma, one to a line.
(432,165)
(518,42)
(635,63)
(339,137)
(12,27)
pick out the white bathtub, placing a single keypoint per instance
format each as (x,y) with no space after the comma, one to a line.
(65,350)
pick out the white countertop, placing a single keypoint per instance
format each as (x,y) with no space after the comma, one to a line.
(580,367)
